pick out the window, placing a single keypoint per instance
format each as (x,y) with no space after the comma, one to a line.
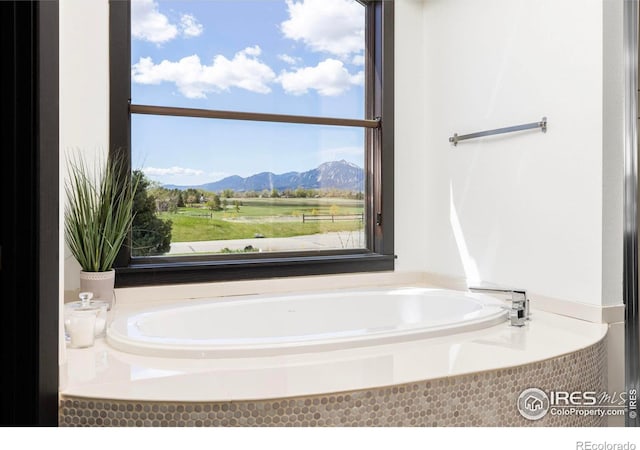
(262,133)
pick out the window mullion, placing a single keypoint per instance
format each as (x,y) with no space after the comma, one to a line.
(251,116)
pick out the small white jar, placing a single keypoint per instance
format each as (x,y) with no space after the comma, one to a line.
(84,305)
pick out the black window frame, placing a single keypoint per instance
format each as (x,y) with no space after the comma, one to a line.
(379,169)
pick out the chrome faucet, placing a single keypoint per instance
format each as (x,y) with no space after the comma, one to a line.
(519,312)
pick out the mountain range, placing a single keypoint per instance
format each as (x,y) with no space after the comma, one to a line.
(341,175)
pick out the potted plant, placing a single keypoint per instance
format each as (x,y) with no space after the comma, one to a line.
(97,219)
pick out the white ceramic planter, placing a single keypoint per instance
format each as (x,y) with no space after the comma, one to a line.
(101,284)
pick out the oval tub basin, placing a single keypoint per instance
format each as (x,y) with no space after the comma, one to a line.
(285,324)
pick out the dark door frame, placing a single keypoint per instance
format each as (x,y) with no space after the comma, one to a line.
(29,231)
(630,236)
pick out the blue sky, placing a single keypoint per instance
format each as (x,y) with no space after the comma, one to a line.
(301,57)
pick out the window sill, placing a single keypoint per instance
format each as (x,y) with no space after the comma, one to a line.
(163,273)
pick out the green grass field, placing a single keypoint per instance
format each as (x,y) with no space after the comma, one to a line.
(261,207)
(280,217)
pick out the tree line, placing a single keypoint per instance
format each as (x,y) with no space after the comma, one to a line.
(171,199)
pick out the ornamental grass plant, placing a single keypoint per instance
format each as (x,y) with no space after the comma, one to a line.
(98,212)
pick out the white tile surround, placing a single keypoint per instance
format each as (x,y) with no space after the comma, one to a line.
(103,372)
(486,399)
(153,295)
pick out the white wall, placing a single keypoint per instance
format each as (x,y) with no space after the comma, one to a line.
(84,90)
(612,152)
(411,157)
(523,210)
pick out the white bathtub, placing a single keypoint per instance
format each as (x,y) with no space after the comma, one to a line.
(267,326)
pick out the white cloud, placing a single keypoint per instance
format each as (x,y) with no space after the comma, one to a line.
(148,24)
(195,80)
(332,26)
(190,26)
(358,60)
(252,51)
(175,170)
(288,59)
(329,78)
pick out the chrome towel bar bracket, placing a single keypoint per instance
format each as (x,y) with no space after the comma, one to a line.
(542,124)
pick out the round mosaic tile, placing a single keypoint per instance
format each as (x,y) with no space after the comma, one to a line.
(478,399)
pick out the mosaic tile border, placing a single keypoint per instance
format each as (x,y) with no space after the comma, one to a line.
(477,399)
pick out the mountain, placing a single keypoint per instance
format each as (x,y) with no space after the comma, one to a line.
(341,175)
